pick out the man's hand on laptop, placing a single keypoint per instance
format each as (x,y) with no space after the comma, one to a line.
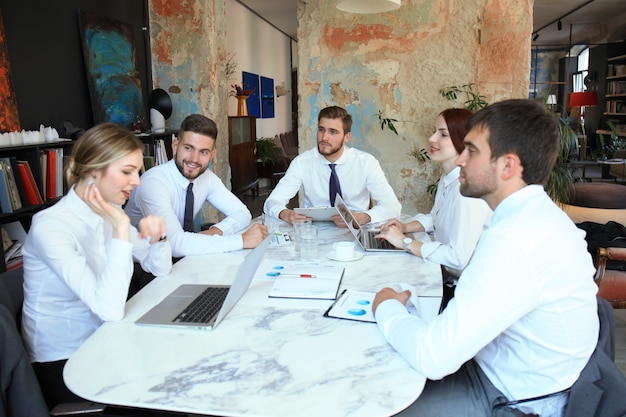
(392,233)
(254,235)
(362,218)
(289,216)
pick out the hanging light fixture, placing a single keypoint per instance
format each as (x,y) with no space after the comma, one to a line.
(368,6)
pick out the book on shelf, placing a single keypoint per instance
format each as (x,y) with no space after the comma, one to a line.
(16,201)
(5,199)
(51,174)
(17,178)
(60,164)
(13,236)
(33,196)
(43,165)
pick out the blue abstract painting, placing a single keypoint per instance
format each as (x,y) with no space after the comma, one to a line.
(267,97)
(110,62)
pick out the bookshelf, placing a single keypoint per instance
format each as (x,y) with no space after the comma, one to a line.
(616,93)
(47,181)
(157,146)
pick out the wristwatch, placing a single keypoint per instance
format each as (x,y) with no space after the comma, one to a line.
(405,244)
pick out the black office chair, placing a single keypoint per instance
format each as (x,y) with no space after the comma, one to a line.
(600,389)
(21,395)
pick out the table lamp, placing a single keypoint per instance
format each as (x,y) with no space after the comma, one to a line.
(160,109)
(583,99)
(551,101)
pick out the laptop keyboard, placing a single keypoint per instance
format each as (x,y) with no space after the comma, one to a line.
(377,243)
(204,307)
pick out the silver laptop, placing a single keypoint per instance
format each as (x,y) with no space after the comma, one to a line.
(365,237)
(203,307)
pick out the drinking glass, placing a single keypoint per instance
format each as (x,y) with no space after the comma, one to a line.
(308,243)
(297,225)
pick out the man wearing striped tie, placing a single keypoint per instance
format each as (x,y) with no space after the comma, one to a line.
(333,168)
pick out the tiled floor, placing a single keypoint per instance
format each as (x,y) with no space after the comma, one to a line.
(255,204)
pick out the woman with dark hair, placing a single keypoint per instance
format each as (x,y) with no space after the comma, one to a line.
(456,221)
(78,255)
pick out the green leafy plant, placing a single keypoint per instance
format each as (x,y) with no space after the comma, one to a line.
(386,121)
(419,154)
(231,65)
(432,188)
(561,179)
(473,100)
(267,151)
(616,142)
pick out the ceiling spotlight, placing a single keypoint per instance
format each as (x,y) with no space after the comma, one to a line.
(559,25)
(535,36)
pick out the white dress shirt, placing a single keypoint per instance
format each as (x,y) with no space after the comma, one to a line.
(163,192)
(76,275)
(456,223)
(360,176)
(525,307)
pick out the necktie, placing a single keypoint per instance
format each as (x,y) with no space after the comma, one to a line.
(188,219)
(333,185)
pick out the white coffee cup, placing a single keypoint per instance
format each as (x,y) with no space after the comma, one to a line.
(344,250)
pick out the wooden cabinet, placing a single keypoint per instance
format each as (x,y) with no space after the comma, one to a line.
(241,144)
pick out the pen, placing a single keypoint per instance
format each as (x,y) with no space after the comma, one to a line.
(299,275)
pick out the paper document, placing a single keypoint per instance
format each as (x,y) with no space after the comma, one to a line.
(357,305)
(301,280)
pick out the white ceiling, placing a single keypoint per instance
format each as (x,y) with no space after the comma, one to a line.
(596,21)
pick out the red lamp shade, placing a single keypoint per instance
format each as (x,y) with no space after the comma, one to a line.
(583,99)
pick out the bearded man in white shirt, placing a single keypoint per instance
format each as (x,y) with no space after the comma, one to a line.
(524,321)
(362,180)
(163,190)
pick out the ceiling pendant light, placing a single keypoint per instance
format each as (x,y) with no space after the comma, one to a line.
(368,6)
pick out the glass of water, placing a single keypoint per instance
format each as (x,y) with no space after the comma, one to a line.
(308,243)
(297,225)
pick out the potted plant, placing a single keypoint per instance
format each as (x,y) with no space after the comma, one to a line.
(561,179)
(269,157)
(267,152)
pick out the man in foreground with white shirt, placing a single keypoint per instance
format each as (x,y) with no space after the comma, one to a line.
(524,321)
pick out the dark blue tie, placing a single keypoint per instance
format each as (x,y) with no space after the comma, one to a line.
(333,185)
(188,219)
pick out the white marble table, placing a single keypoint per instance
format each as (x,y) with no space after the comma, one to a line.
(269,357)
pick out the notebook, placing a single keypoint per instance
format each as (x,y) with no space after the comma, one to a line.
(167,312)
(365,238)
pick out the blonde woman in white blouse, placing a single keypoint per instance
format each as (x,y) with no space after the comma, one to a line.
(78,255)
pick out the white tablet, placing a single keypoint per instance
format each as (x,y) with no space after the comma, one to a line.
(318,214)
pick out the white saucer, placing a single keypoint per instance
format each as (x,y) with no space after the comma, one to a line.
(357,256)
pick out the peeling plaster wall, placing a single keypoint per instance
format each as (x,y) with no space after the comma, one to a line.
(397,62)
(188,45)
